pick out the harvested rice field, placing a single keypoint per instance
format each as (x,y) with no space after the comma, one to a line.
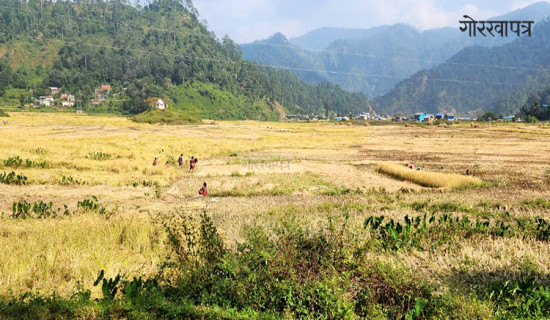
(302,220)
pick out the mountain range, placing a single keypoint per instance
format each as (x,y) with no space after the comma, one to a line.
(499,79)
(375,60)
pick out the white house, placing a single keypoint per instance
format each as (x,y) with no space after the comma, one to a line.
(160,104)
(46,100)
(66,103)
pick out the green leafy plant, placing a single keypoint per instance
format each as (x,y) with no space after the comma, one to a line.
(98,156)
(71,181)
(39,209)
(13,178)
(16,162)
(91,205)
(109,287)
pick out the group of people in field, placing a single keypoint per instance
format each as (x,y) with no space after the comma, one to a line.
(192,162)
(203,191)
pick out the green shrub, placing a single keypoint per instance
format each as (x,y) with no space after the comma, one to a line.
(91,205)
(23,209)
(71,181)
(13,178)
(16,162)
(98,156)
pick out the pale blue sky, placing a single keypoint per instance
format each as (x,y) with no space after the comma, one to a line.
(249,20)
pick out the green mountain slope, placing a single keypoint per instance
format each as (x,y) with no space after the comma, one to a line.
(495,79)
(160,50)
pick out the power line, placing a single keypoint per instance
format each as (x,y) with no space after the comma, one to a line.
(278,67)
(395,57)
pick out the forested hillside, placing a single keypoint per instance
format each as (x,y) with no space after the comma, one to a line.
(496,79)
(374,60)
(160,50)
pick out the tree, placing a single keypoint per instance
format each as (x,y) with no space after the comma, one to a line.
(489,115)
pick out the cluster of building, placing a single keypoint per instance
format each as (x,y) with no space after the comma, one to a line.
(313,117)
(67,99)
(101,94)
(430,117)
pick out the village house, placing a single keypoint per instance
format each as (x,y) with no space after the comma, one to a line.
(63,96)
(70,98)
(106,88)
(46,101)
(54,90)
(160,104)
(66,103)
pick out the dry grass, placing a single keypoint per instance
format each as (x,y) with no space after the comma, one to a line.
(266,172)
(39,255)
(427,178)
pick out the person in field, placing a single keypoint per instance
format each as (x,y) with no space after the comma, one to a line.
(155,162)
(180,160)
(204,190)
(167,164)
(192,163)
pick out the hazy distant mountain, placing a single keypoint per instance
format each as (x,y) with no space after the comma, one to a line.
(277,51)
(374,60)
(321,38)
(498,79)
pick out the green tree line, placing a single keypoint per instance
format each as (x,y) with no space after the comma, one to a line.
(144,52)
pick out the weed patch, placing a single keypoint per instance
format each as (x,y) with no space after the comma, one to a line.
(16,162)
(98,156)
(13,178)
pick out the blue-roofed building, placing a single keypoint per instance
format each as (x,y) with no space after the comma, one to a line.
(419,116)
(451,118)
(439,116)
(508,118)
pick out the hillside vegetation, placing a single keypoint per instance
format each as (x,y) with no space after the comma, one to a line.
(160,50)
(497,79)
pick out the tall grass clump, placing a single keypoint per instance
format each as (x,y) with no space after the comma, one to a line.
(427,178)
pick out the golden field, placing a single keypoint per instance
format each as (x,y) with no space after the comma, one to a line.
(258,173)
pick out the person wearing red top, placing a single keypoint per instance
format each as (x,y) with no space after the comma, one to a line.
(191,163)
(203,191)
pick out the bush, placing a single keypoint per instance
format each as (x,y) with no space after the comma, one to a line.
(98,156)
(16,162)
(531,119)
(13,178)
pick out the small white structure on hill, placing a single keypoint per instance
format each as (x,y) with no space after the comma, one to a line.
(160,104)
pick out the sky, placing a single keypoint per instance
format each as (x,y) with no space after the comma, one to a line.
(249,20)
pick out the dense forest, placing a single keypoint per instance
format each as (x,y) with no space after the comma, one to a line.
(159,50)
(536,106)
(497,79)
